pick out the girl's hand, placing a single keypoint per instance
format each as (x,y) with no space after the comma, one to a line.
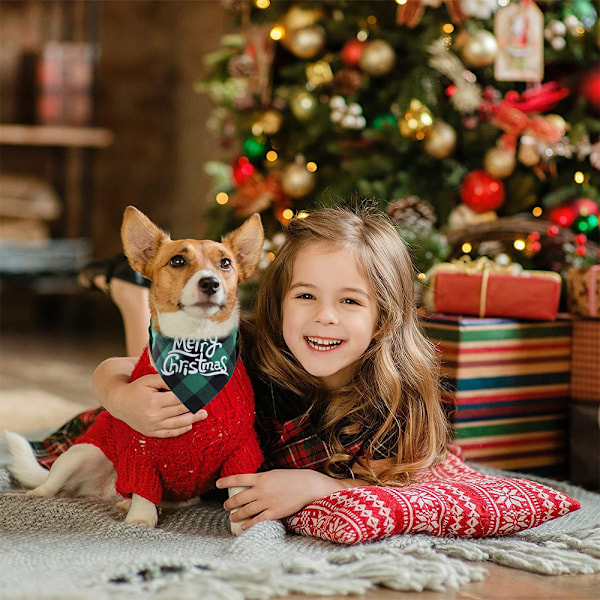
(276,494)
(145,404)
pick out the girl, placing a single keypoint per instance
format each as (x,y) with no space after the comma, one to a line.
(346,384)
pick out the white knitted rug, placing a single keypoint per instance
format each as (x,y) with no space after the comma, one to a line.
(73,548)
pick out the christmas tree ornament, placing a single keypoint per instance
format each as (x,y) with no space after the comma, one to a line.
(242,169)
(297,181)
(462,216)
(416,121)
(479,9)
(441,140)
(351,52)
(587,225)
(377,58)
(256,194)
(383,121)
(500,162)
(580,13)
(589,88)
(554,34)
(298,17)
(411,212)
(269,122)
(346,82)
(563,215)
(306,42)
(528,154)
(481,192)
(480,50)
(586,206)
(594,155)
(519,31)
(303,105)
(319,73)
(466,95)
(254,148)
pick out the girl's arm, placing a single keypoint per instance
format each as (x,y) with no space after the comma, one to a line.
(145,404)
(279,493)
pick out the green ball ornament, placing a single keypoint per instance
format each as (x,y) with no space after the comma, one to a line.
(254,148)
(383,121)
(588,225)
(584,11)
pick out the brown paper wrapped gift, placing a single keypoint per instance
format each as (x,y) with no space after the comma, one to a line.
(484,289)
(585,367)
(583,291)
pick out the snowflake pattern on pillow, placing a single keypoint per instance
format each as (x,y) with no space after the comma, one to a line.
(450,500)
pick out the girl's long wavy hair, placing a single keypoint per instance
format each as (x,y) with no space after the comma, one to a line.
(392,404)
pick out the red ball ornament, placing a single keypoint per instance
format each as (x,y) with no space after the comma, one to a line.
(351,52)
(564,215)
(242,169)
(590,88)
(586,206)
(481,192)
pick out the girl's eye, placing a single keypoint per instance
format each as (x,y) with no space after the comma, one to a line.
(304,296)
(178,261)
(350,301)
(225,264)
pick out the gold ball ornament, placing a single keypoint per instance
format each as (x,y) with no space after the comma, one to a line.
(416,121)
(557,123)
(297,18)
(480,50)
(303,105)
(306,42)
(297,181)
(270,122)
(528,154)
(499,163)
(377,58)
(441,140)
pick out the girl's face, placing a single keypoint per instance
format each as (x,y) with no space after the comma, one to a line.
(329,313)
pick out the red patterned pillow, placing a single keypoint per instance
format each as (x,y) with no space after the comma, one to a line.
(450,500)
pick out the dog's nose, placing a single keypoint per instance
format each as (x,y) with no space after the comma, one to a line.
(209,285)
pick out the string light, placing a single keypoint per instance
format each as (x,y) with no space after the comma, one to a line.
(288,214)
(277,33)
(466,248)
(519,245)
(578,177)
(263,4)
(272,156)
(447,28)
(311,166)
(302,215)
(222,198)
(537,211)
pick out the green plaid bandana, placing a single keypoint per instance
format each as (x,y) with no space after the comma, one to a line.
(195,370)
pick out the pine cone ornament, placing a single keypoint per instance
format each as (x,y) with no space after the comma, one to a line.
(346,82)
(411,213)
(241,66)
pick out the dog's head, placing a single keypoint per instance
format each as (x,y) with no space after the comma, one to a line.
(194,282)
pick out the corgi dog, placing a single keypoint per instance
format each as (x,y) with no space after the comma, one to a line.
(193,346)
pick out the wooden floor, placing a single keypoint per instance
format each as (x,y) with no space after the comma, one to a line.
(33,345)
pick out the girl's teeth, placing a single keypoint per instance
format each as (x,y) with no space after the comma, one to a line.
(319,344)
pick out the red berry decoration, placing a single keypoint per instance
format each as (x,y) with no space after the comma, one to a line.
(242,169)
(482,192)
(351,52)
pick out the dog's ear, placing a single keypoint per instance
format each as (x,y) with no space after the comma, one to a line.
(246,243)
(141,239)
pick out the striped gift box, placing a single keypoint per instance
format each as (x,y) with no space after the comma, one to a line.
(507,382)
(585,373)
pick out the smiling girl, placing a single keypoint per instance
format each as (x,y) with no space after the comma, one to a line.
(346,384)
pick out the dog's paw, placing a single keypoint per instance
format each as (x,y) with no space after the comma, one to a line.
(124,504)
(236,528)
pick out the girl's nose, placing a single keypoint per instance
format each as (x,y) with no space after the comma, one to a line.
(326,315)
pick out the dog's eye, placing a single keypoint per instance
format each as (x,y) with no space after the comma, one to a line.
(225,264)
(178,261)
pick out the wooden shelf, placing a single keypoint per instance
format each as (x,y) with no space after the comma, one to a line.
(50,135)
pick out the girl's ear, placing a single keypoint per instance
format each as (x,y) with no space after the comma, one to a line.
(141,239)
(246,243)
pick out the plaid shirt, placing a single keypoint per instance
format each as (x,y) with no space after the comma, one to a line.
(287,432)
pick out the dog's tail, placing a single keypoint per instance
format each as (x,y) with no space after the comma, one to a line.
(23,465)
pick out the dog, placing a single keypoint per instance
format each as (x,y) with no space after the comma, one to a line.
(194,323)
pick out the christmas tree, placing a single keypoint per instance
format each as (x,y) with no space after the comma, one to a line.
(474,123)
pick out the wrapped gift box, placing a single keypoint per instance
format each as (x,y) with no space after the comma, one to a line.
(507,383)
(585,370)
(583,291)
(584,455)
(481,288)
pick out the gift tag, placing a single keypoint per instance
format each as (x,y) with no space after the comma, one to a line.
(519,30)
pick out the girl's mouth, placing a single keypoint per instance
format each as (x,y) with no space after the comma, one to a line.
(322,344)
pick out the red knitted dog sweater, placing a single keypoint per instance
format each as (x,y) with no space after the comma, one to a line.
(188,465)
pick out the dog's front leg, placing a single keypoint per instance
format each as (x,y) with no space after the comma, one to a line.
(142,511)
(236,528)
